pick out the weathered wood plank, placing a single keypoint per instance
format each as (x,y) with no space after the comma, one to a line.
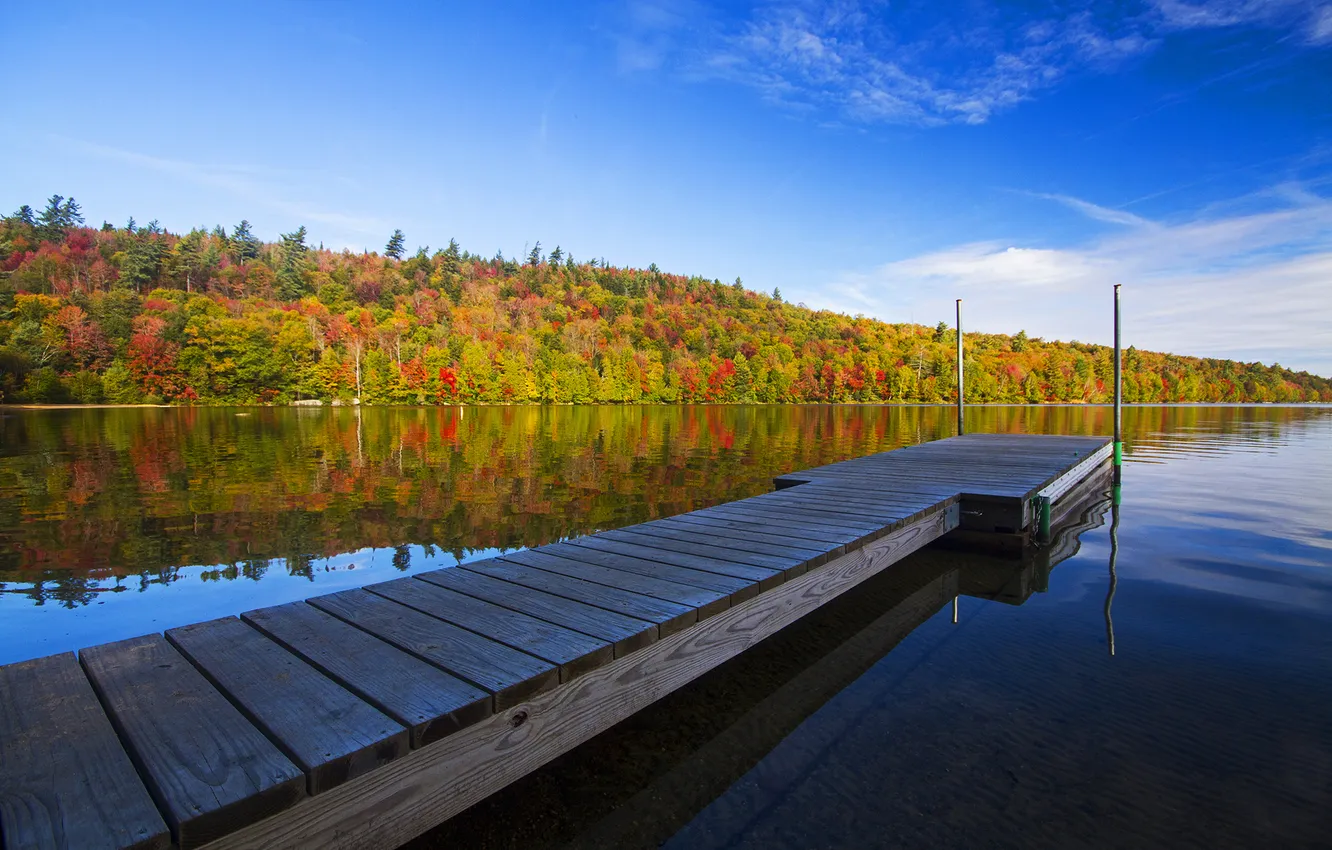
(208,768)
(511,676)
(836,543)
(852,537)
(738,546)
(332,734)
(65,779)
(419,695)
(652,562)
(706,602)
(648,535)
(669,617)
(431,785)
(736,588)
(652,549)
(625,634)
(575,653)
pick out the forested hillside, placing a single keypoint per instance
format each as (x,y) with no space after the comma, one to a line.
(134,314)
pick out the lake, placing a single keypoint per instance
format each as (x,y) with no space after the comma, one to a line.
(877,721)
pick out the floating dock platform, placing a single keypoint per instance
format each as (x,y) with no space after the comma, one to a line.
(365,717)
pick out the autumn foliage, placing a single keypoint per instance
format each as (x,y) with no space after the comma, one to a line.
(130,315)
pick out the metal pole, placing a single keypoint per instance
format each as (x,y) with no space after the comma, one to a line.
(1114,577)
(961,429)
(1119,401)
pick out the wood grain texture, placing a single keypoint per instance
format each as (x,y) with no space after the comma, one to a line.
(57,746)
(690,555)
(749,529)
(669,616)
(631,559)
(624,634)
(807,554)
(706,601)
(433,784)
(208,768)
(419,695)
(573,652)
(698,546)
(329,732)
(508,674)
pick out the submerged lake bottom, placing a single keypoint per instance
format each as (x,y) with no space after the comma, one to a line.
(1180,697)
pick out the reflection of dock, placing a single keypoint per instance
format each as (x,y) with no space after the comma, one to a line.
(368,716)
(1014,579)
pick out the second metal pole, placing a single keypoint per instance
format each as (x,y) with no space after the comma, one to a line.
(961,429)
(1119,400)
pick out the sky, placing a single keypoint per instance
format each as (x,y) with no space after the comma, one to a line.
(873,158)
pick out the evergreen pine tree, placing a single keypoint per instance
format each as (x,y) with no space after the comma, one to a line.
(244,244)
(50,224)
(291,284)
(396,245)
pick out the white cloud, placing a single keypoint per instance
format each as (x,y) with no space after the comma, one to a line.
(856,59)
(1311,18)
(1252,286)
(847,56)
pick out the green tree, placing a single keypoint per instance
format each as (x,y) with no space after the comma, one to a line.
(397,244)
(291,282)
(140,262)
(57,218)
(244,244)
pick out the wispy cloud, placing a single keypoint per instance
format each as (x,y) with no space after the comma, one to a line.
(1311,19)
(856,59)
(272,189)
(648,32)
(1095,212)
(1250,285)
(868,63)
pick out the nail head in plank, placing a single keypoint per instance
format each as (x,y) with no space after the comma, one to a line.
(209,769)
(331,734)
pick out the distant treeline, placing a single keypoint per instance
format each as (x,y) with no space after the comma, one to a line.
(134,314)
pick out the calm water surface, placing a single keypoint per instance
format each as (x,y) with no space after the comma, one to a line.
(876,721)
(120,522)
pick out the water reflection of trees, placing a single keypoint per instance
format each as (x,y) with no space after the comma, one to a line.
(88,497)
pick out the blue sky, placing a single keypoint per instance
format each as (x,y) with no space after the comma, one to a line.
(868,157)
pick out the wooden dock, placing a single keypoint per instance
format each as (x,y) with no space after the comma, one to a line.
(365,717)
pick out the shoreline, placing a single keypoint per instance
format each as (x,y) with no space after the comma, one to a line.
(30,406)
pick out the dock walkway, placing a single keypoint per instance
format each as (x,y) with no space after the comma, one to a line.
(365,717)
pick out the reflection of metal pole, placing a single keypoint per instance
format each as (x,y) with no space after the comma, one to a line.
(1114,579)
(954,609)
(1043,519)
(1119,401)
(960,429)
